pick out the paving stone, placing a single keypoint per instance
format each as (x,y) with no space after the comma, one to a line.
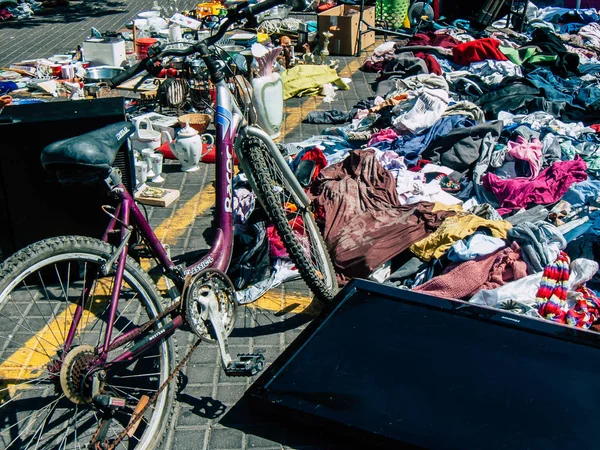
(225,438)
(189,439)
(230,394)
(194,417)
(200,373)
(209,393)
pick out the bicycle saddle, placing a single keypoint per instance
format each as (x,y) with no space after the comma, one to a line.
(86,158)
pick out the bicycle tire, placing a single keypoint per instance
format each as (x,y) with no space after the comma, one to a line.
(62,264)
(269,181)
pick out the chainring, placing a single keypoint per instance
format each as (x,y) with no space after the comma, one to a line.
(201,285)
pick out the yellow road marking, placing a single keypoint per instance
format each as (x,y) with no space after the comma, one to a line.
(173,228)
(351,68)
(283,302)
(27,362)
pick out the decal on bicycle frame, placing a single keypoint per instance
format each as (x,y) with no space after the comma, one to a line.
(224,119)
(200,266)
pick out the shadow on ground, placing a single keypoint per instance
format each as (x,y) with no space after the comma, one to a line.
(293,432)
(75,12)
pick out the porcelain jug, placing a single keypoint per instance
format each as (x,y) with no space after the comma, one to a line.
(188,147)
(145,136)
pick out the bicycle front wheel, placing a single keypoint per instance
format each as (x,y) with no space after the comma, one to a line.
(44,391)
(294,221)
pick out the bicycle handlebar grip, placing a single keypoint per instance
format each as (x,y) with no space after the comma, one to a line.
(129,73)
(264,6)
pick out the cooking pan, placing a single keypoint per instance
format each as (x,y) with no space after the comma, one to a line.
(97,74)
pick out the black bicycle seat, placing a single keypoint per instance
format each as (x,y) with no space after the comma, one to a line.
(87,157)
(96,149)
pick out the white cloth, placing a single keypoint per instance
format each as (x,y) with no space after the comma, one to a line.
(285,270)
(427,106)
(390,160)
(591,33)
(382,273)
(492,72)
(524,290)
(412,188)
(244,202)
(539,120)
(476,245)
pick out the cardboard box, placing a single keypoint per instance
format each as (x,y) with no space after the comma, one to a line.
(343,22)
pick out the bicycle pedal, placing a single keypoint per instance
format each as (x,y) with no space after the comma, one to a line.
(247,364)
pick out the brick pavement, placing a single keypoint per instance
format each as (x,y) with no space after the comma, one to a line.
(61,29)
(271,324)
(209,394)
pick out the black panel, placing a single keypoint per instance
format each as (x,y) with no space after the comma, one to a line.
(33,205)
(435,373)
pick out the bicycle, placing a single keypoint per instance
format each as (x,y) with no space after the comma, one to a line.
(87,338)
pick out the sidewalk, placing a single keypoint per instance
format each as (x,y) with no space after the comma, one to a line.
(271,323)
(63,28)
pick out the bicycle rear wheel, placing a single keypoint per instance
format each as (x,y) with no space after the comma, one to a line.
(294,221)
(43,402)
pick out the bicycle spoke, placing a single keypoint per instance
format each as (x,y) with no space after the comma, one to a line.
(139,376)
(63,337)
(37,412)
(24,383)
(37,310)
(24,322)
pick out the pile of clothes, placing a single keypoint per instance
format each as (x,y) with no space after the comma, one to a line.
(23,9)
(473,171)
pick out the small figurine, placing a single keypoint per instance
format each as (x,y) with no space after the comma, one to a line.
(308,57)
(286,44)
(325,50)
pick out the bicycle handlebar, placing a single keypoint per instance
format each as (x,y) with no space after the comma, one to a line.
(242,11)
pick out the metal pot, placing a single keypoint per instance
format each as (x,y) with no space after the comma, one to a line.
(97,74)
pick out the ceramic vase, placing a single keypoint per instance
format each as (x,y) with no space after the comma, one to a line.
(141,174)
(157,163)
(268,100)
(147,156)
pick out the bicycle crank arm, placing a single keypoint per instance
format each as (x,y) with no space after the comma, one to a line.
(245,364)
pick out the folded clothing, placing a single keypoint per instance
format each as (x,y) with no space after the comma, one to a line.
(308,79)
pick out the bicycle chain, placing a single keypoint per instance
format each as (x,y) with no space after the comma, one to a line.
(137,416)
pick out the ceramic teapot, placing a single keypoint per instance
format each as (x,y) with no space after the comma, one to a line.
(188,147)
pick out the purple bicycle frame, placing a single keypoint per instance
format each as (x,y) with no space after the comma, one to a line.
(218,257)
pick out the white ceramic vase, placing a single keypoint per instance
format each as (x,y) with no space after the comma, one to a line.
(157,163)
(267,92)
